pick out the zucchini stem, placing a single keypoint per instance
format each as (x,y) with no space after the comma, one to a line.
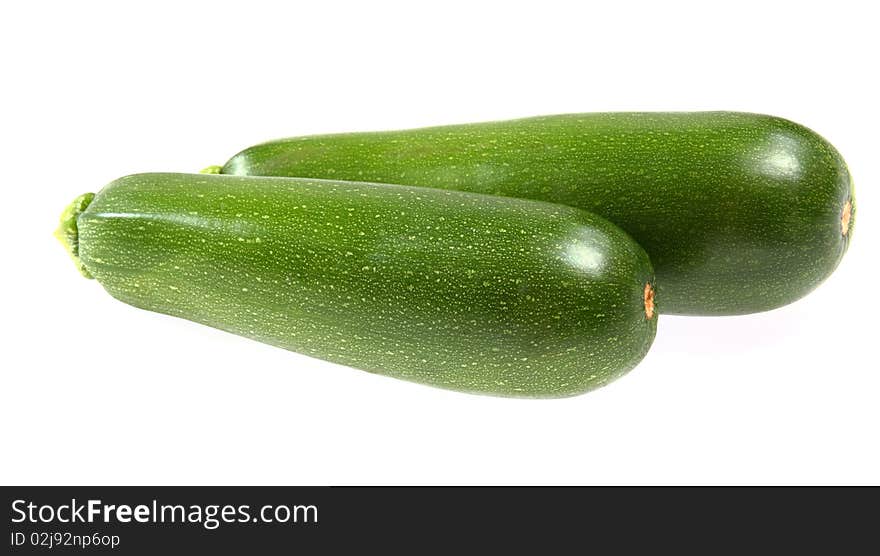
(214,169)
(68,233)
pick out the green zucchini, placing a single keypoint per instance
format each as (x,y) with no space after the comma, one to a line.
(739,212)
(458,290)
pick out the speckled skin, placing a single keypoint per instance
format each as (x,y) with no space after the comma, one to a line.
(464,291)
(740,213)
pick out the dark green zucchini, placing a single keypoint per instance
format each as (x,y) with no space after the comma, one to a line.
(739,212)
(458,290)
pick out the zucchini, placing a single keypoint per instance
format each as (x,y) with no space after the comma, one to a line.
(739,212)
(458,290)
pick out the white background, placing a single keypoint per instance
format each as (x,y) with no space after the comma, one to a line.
(96,392)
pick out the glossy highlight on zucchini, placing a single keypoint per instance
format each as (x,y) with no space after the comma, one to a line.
(457,290)
(739,212)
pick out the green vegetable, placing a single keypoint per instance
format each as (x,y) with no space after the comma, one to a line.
(458,290)
(739,212)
